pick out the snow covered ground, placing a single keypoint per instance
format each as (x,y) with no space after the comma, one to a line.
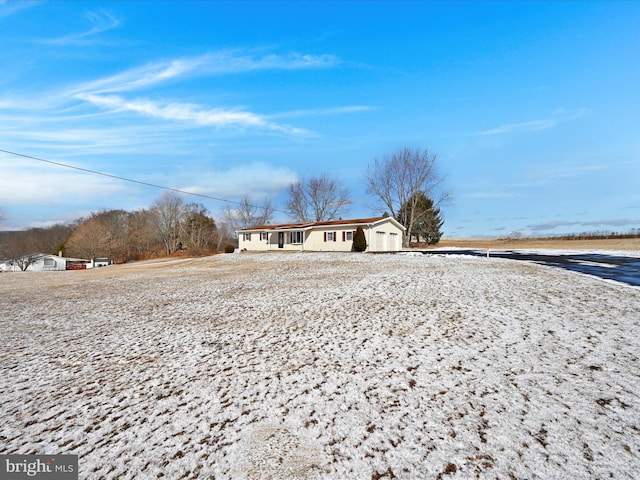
(323,366)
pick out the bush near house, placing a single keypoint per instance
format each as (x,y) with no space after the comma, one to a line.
(359,240)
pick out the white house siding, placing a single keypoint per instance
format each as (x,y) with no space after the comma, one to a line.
(384,237)
(250,241)
(254,243)
(47,263)
(44,263)
(50,264)
(316,240)
(287,244)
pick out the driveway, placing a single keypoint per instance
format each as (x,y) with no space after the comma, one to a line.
(611,267)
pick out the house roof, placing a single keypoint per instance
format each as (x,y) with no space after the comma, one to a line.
(50,255)
(40,256)
(309,225)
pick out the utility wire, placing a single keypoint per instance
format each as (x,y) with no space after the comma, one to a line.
(140,182)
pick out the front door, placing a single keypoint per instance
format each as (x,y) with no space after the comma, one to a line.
(280,239)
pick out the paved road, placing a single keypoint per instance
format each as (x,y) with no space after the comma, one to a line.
(621,269)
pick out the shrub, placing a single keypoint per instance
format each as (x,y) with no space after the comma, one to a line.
(359,240)
(229,249)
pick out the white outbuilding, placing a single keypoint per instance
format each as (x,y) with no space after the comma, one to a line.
(43,262)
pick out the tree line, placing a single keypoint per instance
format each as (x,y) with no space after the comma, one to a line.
(121,235)
(405,185)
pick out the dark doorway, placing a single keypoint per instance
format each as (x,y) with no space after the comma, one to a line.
(280,239)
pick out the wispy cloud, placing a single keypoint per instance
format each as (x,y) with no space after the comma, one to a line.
(78,137)
(537,227)
(123,115)
(602,223)
(235,61)
(109,93)
(530,126)
(99,20)
(143,77)
(557,117)
(487,195)
(45,190)
(256,179)
(558,171)
(187,112)
(211,64)
(9,8)
(324,111)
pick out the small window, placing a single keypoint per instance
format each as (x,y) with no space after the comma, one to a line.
(348,236)
(264,236)
(246,237)
(330,237)
(296,237)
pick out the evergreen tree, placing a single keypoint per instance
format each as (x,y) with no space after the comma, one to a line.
(427,221)
(359,240)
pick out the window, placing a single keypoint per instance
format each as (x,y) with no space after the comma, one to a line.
(296,237)
(264,236)
(246,237)
(330,237)
(347,236)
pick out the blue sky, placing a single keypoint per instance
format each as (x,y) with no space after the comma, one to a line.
(533,108)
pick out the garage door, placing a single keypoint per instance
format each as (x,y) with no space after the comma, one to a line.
(394,242)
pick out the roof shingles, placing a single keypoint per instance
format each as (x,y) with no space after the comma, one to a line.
(292,226)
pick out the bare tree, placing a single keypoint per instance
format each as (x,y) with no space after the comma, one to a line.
(90,240)
(143,238)
(52,239)
(23,248)
(30,244)
(297,202)
(199,229)
(319,199)
(4,237)
(226,235)
(115,224)
(398,179)
(168,211)
(245,213)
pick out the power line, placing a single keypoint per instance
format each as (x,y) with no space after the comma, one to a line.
(125,179)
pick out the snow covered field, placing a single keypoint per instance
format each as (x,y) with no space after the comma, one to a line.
(323,366)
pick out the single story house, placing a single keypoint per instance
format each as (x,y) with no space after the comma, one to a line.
(383,234)
(44,262)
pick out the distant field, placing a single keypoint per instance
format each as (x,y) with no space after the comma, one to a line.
(587,244)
